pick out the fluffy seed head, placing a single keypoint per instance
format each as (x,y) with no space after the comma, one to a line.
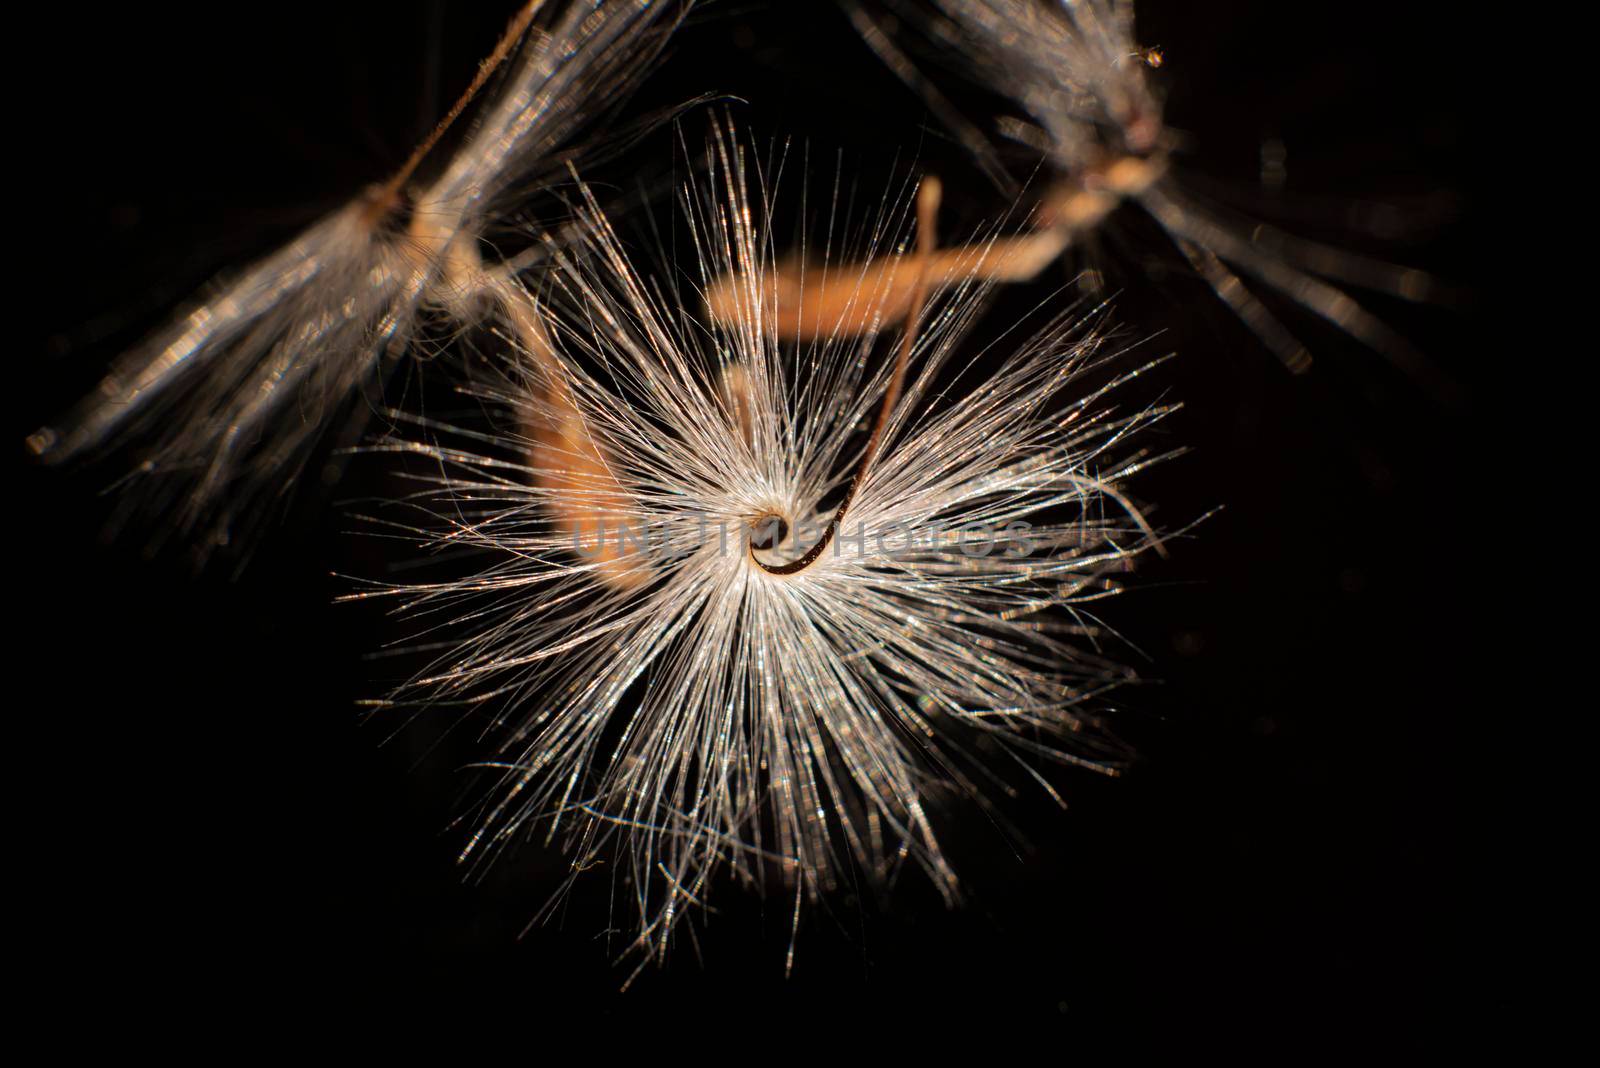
(671,702)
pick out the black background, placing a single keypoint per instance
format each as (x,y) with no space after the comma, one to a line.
(1284,866)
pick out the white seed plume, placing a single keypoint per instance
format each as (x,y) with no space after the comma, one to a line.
(1075,68)
(229,399)
(678,705)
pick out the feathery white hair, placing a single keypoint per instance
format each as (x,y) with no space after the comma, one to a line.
(675,699)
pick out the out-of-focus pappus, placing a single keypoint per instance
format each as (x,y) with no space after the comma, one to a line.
(1075,68)
(223,406)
